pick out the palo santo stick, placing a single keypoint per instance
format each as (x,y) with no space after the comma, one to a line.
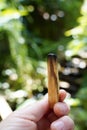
(53,80)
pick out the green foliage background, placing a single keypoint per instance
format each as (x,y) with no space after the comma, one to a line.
(31,29)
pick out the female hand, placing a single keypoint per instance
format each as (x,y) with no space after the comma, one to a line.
(39,117)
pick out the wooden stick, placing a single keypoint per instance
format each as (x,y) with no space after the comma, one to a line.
(53,80)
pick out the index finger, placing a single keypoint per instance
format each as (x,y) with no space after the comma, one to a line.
(62,95)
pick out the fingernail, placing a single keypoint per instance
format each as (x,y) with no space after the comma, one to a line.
(58,126)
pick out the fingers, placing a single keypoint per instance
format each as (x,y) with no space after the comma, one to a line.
(61,109)
(51,117)
(34,112)
(64,123)
(62,95)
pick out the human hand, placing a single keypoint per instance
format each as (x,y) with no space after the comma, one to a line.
(39,117)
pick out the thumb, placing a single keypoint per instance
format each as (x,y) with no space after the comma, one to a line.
(34,112)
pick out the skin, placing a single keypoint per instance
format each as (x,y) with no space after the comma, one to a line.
(39,117)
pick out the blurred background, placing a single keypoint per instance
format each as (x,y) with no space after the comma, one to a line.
(29,30)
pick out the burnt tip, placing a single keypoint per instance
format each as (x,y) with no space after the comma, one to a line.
(52,55)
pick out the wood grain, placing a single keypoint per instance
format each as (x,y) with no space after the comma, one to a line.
(53,80)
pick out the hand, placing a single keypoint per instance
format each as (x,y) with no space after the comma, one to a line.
(40,117)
